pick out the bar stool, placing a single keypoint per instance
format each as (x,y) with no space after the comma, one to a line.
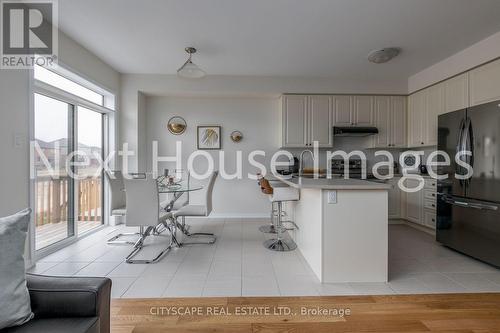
(266,188)
(270,228)
(280,195)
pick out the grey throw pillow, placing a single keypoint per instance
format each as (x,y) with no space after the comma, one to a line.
(14,296)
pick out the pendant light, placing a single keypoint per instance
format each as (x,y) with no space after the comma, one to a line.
(190,70)
(383,55)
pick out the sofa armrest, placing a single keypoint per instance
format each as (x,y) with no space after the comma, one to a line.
(57,297)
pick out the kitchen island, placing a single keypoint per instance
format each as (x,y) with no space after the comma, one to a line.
(342,228)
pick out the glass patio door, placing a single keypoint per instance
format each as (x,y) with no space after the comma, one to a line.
(90,177)
(54,189)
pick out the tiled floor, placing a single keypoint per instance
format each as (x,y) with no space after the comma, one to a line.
(238,265)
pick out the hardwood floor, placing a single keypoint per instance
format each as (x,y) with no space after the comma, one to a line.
(444,313)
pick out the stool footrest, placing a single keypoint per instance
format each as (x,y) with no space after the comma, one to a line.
(292,227)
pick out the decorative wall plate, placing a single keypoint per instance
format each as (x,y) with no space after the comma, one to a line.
(236,136)
(176,125)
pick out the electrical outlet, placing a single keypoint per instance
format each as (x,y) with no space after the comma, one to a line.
(332,197)
(19,140)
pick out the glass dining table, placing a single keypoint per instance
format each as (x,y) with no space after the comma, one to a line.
(177,190)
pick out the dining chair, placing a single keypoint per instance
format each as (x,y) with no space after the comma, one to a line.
(143,210)
(118,205)
(197,210)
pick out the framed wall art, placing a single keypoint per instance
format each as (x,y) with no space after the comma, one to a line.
(209,137)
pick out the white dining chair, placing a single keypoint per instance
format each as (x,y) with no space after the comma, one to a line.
(197,210)
(118,206)
(143,210)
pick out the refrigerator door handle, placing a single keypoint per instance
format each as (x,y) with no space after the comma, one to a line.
(460,148)
(466,204)
(469,141)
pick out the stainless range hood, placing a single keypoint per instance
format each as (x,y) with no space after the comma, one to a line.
(354,131)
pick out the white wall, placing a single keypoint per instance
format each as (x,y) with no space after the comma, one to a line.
(486,50)
(14,120)
(256,118)
(226,86)
(141,129)
(15,97)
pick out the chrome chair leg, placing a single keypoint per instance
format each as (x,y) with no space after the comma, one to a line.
(115,240)
(185,230)
(139,245)
(172,229)
(279,243)
(270,228)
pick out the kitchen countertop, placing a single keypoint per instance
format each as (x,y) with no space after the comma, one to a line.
(332,184)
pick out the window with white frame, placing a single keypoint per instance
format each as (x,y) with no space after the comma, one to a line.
(70,123)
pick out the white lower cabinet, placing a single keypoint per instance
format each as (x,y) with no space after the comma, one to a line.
(413,202)
(421,205)
(430,218)
(394,198)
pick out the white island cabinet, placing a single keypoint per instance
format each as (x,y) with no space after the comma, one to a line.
(342,228)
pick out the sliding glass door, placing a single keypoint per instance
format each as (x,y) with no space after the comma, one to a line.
(54,189)
(90,183)
(65,193)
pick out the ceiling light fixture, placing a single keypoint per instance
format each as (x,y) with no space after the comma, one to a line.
(190,70)
(383,55)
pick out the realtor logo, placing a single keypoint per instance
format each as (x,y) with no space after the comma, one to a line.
(29,33)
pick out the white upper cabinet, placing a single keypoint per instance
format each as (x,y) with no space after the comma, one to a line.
(456,93)
(294,121)
(306,119)
(416,116)
(434,107)
(353,110)
(363,111)
(383,121)
(398,122)
(485,83)
(343,110)
(320,120)
(423,110)
(390,119)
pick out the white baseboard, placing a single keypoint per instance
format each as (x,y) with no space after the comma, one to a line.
(428,230)
(397,221)
(238,216)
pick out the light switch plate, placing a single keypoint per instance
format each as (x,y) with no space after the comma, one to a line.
(332,197)
(19,140)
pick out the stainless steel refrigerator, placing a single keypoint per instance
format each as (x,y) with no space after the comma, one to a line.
(468,211)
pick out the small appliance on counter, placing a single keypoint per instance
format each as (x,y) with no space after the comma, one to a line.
(423,169)
(292,169)
(355,169)
(409,166)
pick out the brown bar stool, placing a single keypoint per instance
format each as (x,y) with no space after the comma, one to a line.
(266,188)
(280,195)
